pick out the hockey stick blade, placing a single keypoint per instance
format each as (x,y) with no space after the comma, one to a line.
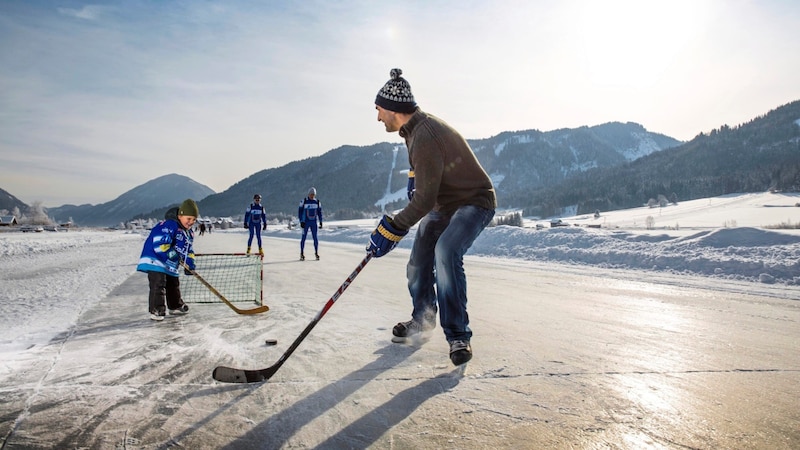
(232,375)
(256,310)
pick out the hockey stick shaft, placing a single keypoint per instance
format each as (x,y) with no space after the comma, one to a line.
(256,310)
(231,375)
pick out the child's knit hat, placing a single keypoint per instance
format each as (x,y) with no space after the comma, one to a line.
(189,208)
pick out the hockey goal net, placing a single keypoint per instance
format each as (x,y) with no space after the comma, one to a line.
(237,276)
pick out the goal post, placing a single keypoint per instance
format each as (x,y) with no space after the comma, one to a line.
(237,276)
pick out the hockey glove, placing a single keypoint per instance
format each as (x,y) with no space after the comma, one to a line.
(411,187)
(187,272)
(385,237)
(173,256)
(302,224)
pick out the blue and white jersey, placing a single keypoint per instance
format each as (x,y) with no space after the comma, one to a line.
(310,211)
(165,247)
(255,214)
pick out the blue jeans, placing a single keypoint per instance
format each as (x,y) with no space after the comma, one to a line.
(437,259)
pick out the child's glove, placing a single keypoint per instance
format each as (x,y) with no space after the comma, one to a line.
(264,228)
(385,237)
(173,256)
(302,224)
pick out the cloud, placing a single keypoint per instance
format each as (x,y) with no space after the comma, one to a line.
(87,12)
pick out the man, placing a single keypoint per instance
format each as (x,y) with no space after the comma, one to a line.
(454,199)
(255,219)
(308,213)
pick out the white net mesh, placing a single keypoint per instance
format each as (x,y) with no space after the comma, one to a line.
(237,276)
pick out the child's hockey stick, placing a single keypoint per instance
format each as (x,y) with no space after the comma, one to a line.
(256,310)
(231,375)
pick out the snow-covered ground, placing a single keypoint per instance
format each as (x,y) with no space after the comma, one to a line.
(75,340)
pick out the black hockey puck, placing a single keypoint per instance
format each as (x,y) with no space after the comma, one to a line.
(271,341)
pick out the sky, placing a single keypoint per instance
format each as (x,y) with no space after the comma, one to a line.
(98,98)
(584,337)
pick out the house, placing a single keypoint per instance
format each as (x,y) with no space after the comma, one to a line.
(8,220)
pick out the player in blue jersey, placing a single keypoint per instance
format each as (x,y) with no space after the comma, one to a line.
(255,219)
(168,246)
(309,213)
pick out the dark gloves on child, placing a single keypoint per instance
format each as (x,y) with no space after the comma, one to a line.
(385,237)
(172,255)
(302,224)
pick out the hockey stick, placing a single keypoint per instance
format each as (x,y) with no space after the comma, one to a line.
(256,310)
(231,375)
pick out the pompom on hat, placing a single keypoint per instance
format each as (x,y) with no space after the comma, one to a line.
(396,94)
(189,208)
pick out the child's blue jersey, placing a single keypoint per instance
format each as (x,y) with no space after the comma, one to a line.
(165,247)
(310,211)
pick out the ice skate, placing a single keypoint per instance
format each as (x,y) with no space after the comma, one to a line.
(157,315)
(412,332)
(460,352)
(179,311)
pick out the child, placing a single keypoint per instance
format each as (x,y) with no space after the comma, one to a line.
(169,243)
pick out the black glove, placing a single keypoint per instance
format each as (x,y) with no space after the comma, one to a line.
(411,184)
(264,228)
(187,272)
(320,224)
(385,237)
(302,224)
(245,226)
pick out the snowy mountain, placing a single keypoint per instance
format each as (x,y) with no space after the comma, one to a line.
(354,181)
(599,168)
(8,202)
(160,192)
(523,161)
(762,154)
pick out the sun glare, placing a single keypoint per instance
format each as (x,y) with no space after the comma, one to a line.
(631,43)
